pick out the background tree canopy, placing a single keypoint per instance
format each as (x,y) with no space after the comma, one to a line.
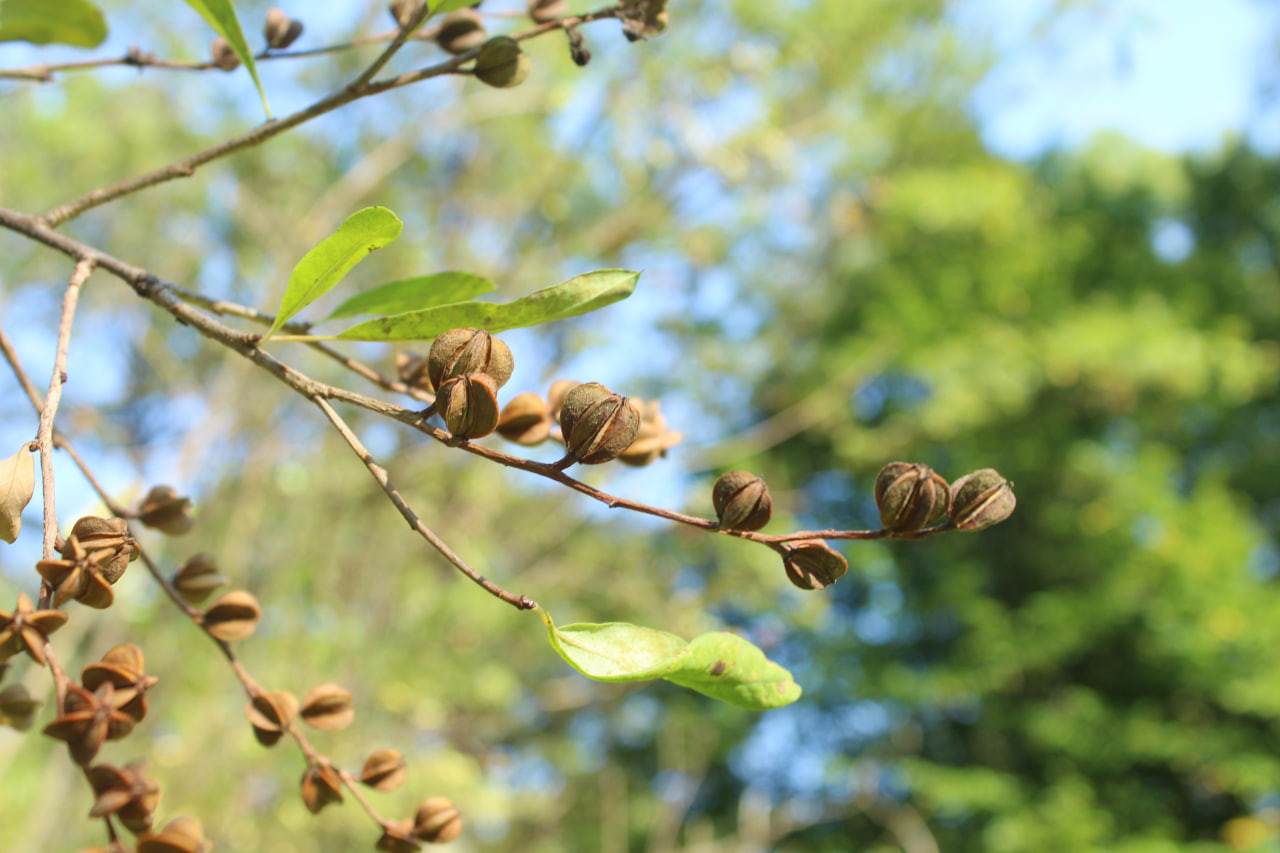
(838,273)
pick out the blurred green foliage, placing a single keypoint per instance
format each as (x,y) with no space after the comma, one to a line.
(838,274)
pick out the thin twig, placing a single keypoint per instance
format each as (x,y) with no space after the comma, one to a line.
(402,35)
(186,167)
(520,602)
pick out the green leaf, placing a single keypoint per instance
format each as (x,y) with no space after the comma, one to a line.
(325,265)
(415,294)
(720,665)
(221,15)
(74,22)
(567,299)
(727,667)
(449,5)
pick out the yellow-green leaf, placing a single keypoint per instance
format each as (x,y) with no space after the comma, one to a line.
(221,15)
(73,22)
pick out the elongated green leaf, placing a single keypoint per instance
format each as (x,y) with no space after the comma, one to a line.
(567,299)
(415,294)
(74,22)
(221,15)
(439,6)
(325,265)
(720,665)
(727,667)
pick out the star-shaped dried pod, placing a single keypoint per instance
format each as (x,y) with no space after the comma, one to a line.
(654,439)
(813,564)
(17,708)
(124,667)
(107,543)
(398,838)
(525,420)
(127,792)
(384,770)
(27,629)
(437,821)
(328,707)
(321,785)
(598,425)
(165,510)
(88,719)
(80,575)
(412,370)
(180,835)
(458,352)
(270,714)
(197,578)
(469,404)
(232,617)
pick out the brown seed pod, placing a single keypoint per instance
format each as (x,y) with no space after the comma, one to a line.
(437,821)
(981,499)
(270,714)
(461,351)
(742,501)
(232,617)
(328,707)
(813,564)
(598,425)
(460,31)
(525,420)
(404,10)
(910,497)
(556,394)
(384,770)
(17,708)
(163,510)
(280,30)
(412,370)
(223,55)
(501,63)
(469,405)
(398,838)
(653,440)
(547,10)
(197,578)
(321,785)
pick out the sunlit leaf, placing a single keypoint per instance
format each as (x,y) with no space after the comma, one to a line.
(17,484)
(415,294)
(221,15)
(567,299)
(720,665)
(73,22)
(449,5)
(325,265)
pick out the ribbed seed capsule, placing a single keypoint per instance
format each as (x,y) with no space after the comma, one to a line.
(469,405)
(598,425)
(525,420)
(981,499)
(461,351)
(742,501)
(437,821)
(813,564)
(910,497)
(460,31)
(501,63)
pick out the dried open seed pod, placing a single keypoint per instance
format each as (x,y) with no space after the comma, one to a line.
(598,425)
(384,770)
(525,420)
(910,497)
(280,30)
(232,617)
(460,31)
(126,792)
(813,564)
(197,578)
(164,510)
(469,405)
(321,785)
(461,351)
(501,63)
(654,439)
(328,707)
(981,499)
(742,501)
(180,835)
(398,838)
(547,10)
(125,668)
(223,55)
(437,821)
(270,713)
(106,544)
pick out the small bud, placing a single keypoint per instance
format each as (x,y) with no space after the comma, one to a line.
(404,10)
(525,420)
(598,425)
(460,351)
(502,63)
(280,30)
(437,821)
(224,56)
(981,499)
(813,564)
(547,10)
(163,510)
(742,501)
(460,31)
(910,497)
(469,405)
